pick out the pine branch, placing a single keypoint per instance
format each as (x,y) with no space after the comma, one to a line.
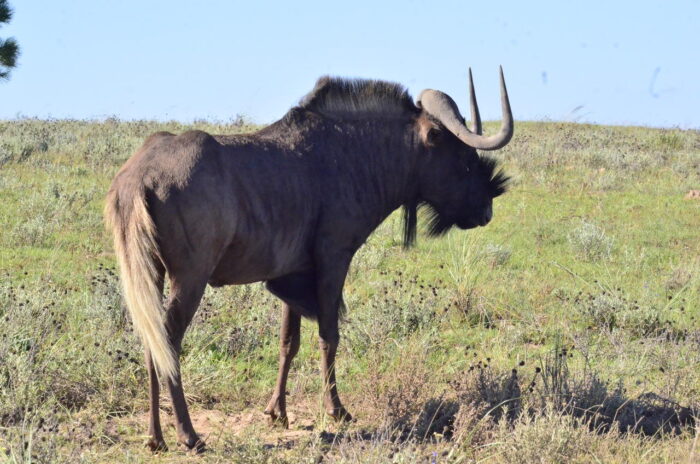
(9,51)
(5,12)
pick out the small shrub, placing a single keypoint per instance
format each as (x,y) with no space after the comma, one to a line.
(678,279)
(467,270)
(6,155)
(669,141)
(487,397)
(399,308)
(235,321)
(548,438)
(106,298)
(406,401)
(34,231)
(590,242)
(610,310)
(485,392)
(496,255)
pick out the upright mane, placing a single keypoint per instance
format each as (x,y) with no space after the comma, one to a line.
(358,98)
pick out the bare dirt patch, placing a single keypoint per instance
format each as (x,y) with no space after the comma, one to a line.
(213,425)
(692,195)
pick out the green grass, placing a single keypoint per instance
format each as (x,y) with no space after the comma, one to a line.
(589,273)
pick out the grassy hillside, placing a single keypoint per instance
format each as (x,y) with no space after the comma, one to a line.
(565,331)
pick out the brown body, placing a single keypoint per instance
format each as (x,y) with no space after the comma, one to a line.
(289,205)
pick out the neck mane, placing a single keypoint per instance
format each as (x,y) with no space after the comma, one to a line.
(353,99)
(356,100)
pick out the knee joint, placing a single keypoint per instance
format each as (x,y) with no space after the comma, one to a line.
(290,347)
(329,343)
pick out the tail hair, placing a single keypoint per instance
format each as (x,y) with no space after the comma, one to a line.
(137,253)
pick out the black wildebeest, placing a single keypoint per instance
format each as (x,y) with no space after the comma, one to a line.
(289,205)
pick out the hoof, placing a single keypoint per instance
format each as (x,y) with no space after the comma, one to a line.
(195,445)
(275,420)
(339,414)
(155,445)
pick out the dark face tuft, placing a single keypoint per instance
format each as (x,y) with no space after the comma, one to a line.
(458,188)
(498,180)
(438,224)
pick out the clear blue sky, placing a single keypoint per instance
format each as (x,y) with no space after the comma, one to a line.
(609,62)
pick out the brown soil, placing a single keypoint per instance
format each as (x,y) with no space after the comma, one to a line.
(213,424)
(692,195)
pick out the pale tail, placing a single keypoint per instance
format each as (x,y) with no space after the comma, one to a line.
(136,249)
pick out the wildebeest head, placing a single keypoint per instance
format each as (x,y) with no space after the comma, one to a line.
(458,184)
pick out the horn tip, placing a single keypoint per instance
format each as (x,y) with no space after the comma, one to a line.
(503,80)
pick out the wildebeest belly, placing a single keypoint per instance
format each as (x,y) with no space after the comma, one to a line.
(246,262)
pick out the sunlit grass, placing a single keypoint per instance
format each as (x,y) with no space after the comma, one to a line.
(593,250)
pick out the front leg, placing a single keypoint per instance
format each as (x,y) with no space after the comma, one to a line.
(328,343)
(330,288)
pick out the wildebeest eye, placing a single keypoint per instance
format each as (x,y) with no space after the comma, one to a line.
(433,136)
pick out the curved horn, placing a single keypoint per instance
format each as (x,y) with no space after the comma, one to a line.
(442,107)
(474,107)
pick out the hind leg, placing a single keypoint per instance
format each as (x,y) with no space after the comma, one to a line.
(183,302)
(289,346)
(155,439)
